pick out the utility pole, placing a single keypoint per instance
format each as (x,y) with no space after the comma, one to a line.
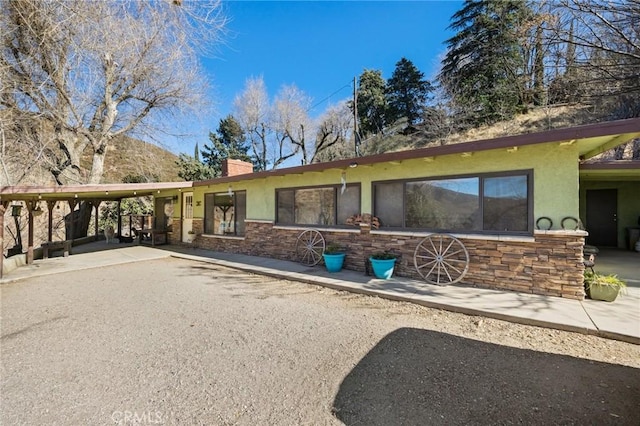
(356,134)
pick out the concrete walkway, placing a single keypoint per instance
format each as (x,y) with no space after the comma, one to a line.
(619,320)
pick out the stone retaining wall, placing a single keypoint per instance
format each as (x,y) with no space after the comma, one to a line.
(550,263)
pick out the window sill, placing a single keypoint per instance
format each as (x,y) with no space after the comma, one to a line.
(319,229)
(571,232)
(223,237)
(485,237)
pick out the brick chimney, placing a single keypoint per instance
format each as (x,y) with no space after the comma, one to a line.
(235,167)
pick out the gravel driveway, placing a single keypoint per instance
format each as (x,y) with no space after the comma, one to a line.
(181,342)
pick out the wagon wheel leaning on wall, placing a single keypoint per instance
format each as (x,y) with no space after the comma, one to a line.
(441,259)
(309,247)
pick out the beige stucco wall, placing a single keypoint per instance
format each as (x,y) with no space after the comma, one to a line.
(555,179)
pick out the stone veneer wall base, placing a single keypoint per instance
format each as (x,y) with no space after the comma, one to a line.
(547,264)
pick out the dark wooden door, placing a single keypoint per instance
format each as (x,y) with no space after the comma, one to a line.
(602,217)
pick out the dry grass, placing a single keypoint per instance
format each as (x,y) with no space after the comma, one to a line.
(536,120)
(130,156)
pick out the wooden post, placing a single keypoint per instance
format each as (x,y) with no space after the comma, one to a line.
(50,205)
(30,207)
(72,204)
(3,209)
(119,220)
(96,204)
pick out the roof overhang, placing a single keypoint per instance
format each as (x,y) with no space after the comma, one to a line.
(590,140)
(102,192)
(617,170)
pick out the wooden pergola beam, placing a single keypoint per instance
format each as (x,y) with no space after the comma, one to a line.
(3,208)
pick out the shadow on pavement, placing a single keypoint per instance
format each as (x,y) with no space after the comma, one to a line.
(415,376)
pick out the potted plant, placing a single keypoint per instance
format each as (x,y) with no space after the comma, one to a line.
(333,257)
(383,263)
(602,287)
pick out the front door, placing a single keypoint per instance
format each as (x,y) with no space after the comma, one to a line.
(187,217)
(602,217)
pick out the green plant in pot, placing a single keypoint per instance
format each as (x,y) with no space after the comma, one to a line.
(383,264)
(602,287)
(334,255)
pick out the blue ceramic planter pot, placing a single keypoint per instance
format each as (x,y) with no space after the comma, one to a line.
(333,262)
(383,268)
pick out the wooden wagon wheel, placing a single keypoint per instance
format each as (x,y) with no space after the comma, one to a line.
(309,247)
(441,259)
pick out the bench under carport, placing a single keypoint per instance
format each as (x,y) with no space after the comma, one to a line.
(56,245)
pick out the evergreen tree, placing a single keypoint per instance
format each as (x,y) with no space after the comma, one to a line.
(228,142)
(372,103)
(191,169)
(483,64)
(407,93)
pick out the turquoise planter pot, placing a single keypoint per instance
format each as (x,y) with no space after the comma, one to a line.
(333,262)
(383,268)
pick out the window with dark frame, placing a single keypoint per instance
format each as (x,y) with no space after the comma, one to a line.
(482,203)
(225,214)
(319,206)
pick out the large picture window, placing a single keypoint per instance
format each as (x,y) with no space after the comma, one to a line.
(323,206)
(485,203)
(225,214)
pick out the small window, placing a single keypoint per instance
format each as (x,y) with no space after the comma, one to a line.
(322,206)
(225,214)
(389,204)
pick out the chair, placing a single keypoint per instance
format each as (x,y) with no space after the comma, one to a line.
(590,263)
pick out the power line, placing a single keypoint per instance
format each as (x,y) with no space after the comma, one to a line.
(318,103)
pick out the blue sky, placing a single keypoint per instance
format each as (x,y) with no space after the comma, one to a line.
(320,46)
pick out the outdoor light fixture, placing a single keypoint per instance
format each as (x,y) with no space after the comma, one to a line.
(353,164)
(15,210)
(230,191)
(37,210)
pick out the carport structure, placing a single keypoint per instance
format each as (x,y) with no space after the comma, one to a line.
(32,196)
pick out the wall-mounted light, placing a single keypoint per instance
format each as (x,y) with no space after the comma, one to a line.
(37,210)
(230,191)
(15,209)
(353,164)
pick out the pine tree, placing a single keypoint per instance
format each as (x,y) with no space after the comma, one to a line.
(407,93)
(191,169)
(483,65)
(228,142)
(372,103)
